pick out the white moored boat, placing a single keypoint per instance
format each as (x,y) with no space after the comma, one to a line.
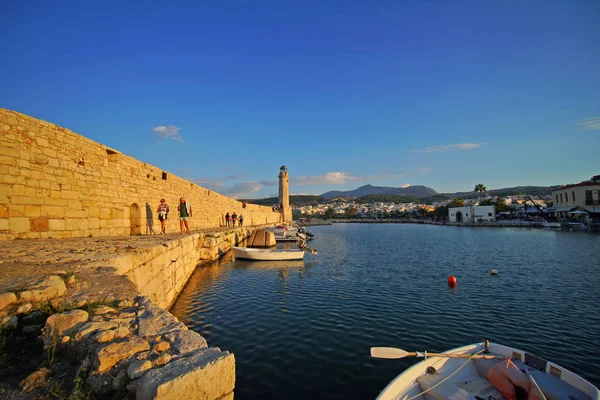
(551,225)
(267,254)
(491,372)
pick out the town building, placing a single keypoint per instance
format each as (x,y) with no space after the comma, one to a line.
(583,196)
(472,214)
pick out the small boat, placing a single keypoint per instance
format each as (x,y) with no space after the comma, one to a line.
(267,254)
(551,225)
(577,225)
(483,371)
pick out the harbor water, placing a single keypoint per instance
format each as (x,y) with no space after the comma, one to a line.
(303,329)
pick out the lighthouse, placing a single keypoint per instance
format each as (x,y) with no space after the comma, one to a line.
(284,194)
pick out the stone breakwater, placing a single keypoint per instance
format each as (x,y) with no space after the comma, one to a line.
(102,305)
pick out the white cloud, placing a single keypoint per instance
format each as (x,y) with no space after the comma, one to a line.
(337,178)
(425,169)
(212,184)
(404,185)
(589,124)
(457,146)
(168,132)
(243,189)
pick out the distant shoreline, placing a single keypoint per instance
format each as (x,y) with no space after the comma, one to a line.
(498,224)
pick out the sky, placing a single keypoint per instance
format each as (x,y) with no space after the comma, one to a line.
(344,93)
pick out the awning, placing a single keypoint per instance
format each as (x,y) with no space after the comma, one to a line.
(578,212)
(560,209)
(593,210)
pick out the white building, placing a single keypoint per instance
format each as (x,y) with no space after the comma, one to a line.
(472,214)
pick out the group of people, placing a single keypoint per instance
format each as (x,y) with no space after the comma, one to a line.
(184,210)
(231,220)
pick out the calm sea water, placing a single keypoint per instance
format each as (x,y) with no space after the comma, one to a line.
(303,330)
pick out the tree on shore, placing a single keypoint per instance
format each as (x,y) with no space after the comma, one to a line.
(457,202)
(480,188)
(329,213)
(350,212)
(501,206)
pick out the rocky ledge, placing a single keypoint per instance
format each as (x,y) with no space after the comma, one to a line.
(132,349)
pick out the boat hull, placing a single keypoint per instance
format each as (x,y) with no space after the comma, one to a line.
(266,254)
(550,375)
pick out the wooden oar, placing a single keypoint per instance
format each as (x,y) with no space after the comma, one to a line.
(393,353)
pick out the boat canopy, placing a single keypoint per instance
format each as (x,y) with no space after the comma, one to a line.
(262,238)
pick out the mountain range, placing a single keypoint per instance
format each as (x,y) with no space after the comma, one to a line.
(414,191)
(417,193)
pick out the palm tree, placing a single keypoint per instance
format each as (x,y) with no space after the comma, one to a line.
(480,188)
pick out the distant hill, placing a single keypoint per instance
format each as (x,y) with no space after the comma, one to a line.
(400,198)
(512,191)
(412,194)
(415,191)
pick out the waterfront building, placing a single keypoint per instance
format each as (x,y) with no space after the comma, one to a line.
(583,196)
(472,214)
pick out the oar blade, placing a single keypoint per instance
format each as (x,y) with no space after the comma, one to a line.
(388,352)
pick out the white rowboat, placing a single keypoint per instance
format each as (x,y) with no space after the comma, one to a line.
(455,374)
(267,254)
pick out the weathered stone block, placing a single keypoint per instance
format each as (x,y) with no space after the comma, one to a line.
(52,211)
(186,341)
(7,299)
(38,224)
(206,375)
(4,224)
(56,224)
(64,324)
(110,355)
(19,225)
(138,368)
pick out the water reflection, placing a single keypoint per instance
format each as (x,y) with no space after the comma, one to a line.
(301,330)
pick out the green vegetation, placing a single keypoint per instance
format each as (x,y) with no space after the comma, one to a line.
(351,212)
(480,188)
(457,202)
(400,198)
(388,198)
(329,213)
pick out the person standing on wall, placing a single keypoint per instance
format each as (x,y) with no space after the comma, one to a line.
(233,219)
(227,219)
(163,214)
(241,219)
(185,213)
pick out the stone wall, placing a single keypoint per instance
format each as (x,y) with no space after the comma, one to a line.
(161,270)
(55,183)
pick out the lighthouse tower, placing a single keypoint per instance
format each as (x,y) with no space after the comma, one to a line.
(284,194)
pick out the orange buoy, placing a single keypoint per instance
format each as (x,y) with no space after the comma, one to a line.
(452,280)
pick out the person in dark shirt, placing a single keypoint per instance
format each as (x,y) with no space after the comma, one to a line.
(227,219)
(185,213)
(233,218)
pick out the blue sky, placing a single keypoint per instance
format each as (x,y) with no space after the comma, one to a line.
(345,93)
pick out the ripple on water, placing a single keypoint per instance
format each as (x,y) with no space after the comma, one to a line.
(305,331)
